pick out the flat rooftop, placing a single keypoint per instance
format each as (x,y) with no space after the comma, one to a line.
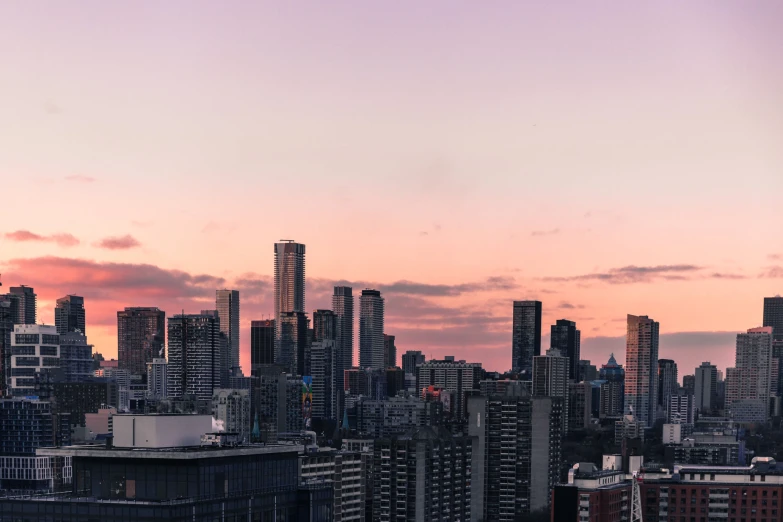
(178,453)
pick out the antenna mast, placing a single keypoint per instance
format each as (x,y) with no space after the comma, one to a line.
(636,498)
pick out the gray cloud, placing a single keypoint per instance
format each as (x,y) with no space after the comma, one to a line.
(405,287)
(125,242)
(719,275)
(772,272)
(632,274)
(62,239)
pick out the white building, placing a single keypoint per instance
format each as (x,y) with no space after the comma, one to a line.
(35,349)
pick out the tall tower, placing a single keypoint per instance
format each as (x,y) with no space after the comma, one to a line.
(526,336)
(28,304)
(69,314)
(262,343)
(371,330)
(325,325)
(750,383)
(641,363)
(550,379)
(773,316)
(227,304)
(389,351)
(667,381)
(141,335)
(289,292)
(567,340)
(342,306)
(194,355)
(706,387)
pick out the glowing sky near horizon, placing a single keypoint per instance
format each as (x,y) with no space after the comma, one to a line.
(605,159)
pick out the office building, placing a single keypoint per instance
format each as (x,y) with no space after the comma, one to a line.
(289,297)
(641,361)
(580,405)
(550,379)
(26,425)
(292,342)
(342,306)
(395,381)
(231,408)
(411,360)
(35,349)
(773,316)
(346,472)
(69,315)
(526,337)
(566,339)
(157,379)
(194,355)
(323,355)
(668,383)
(587,371)
(516,462)
(681,409)
(177,483)
(396,416)
(140,337)
(9,313)
(28,304)
(75,357)
(689,384)
(460,377)
(227,304)
(705,388)
(423,476)
(749,383)
(371,316)
(389,351)
(325,327)
(262,342)
(123,380)
(276,402)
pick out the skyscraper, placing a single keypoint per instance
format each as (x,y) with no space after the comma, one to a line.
(69,314)
(773,315)
(291,343)
(140,338)
(262,342)
(289,290)
(342,306)
(227,304)
(371,330)
(705,388)
(389,351)
(325,325)
(567,340)
(411,360)
(611,392)
(667,382)
(641,362)
(28,304)
(526,336)
(749,383)
(550,379)
(35,349)
(9,315)
(194,355)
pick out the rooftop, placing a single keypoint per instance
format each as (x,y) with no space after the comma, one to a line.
(181,453)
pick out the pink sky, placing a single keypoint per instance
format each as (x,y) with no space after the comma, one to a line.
(605,159)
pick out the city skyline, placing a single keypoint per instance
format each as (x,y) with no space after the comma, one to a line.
(528,150)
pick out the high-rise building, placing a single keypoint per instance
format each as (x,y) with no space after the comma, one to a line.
(411,360)
(276,402)
(9,316)
(140,337)
(289,292)
(641,362)
(194,355)
(567,340)
(232,409)
(516,462)
(75,357)
(681,410)
(773,315)
(395,416)
(28,304)
(292,342)
(705,388)
(667,382)
(227,304)
(157,379)
(69,314)
(423,476)
(749,383)
(526,337)
(580,405)
(460,377)
(342,306)
(550,379)
(262,342)
(587,371)
(35,349)
(371,316)
(325,391)
(346,471)
(389,351)
(689,384)
(324,325)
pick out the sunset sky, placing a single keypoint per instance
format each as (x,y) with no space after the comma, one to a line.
(605,158)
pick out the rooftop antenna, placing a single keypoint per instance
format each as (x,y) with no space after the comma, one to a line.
(286,240)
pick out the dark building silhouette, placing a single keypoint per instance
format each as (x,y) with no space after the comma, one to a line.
(324,325)
(28,304)
(194,355)
(69,314)
(411,360)
(526,336)
(773,316)
(227,305)
(140,338)
(567,340)
(262,342)
(389,351)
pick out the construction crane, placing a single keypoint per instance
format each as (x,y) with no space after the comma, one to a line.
(636,497)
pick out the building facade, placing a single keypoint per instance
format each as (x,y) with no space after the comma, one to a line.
(749,383)
(35,349)
(69,314)
(346,472)
(668,384)
(157,379)
(342,306)
(566,339)
(371,317)
(28,304)
(411,360)
(141,335)
(227,304)
(705,387)
(75,357)
(389,351)
(460,377)
(262,342)
(396,416)
(641,361)
(194,355)
(232,409)
(526,336)
(289,293)
(323,354)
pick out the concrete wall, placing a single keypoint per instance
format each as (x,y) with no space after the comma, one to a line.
(160,431)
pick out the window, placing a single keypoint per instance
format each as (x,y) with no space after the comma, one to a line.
(50,339)
(48,350)
(28,361)
(28,339)
(23,350)
(51,361)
